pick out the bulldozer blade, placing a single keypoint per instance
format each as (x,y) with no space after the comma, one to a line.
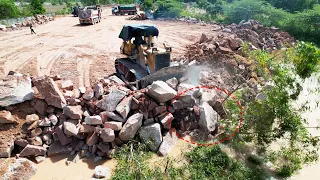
(167,73)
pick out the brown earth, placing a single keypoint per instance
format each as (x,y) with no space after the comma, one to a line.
(82,53)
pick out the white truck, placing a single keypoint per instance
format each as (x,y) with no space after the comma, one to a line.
(90,15)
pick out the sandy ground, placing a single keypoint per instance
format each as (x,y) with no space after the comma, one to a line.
(82,53)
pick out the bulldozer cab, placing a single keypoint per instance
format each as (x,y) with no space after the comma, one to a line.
(138,44)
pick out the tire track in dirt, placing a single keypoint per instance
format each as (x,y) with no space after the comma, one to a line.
(83,68)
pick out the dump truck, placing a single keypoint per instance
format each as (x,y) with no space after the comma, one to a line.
(90,15)
(124,9)
(143,62)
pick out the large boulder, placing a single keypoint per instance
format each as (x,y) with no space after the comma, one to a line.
(169,140)
(124,107)
(110,101)
(74,112)
(15,89)
(131,127)
(161,91)
(151,136)
(208,117)
(22,169)
(31,150)
(50,91)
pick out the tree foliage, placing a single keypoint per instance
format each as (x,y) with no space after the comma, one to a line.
(37,7)
(8,9)
(293,5)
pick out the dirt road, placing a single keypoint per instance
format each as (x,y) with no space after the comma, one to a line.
(81,53)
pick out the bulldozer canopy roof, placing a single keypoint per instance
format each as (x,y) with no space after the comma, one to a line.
(130,31)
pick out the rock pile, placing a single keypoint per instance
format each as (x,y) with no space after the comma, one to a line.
(229,40)
(37,19)
(93,121)
(139,16)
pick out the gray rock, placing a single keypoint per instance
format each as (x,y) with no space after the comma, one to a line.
(70,129)
(98,90)
(148,121)
(104,147)
(208,117)
(97,159)
(14,90)
(64,140)
(209,96)
(151,136)
(173,83)
(74,112)
(56,149)
(102,172)
(124,107)
(22,169)
(116,126)
(31,118)
(31,150)
(107,135)
(41,107)
(110,101)
(39,159)
(93,120)
(131,127)
(161,91)
(166,120)
(115,116)
(50,92)
(92,139)
(169,140)
(89,93)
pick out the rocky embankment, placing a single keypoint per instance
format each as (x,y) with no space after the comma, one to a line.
(93,122)
(37,19)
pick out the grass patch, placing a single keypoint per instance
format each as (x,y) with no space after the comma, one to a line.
(203,163)
(53,9)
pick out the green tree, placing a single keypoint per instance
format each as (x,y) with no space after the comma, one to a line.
(8,9)
(293,5)
(168,8)
(37,7)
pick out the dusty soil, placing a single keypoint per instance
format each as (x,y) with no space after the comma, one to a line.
(82,53)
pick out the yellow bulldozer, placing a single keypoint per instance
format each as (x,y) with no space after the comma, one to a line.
(144,63)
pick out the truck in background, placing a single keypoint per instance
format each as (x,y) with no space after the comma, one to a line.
(124,9)
(90,15)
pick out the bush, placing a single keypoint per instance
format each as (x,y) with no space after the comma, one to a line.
(37,7)
(168,8)
(8,9)
(305,25)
